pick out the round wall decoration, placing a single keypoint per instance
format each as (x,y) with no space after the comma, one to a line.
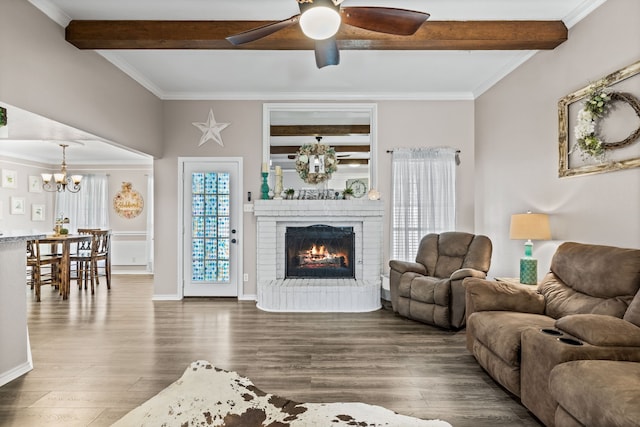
(128,203)
(596,106)
(316,162)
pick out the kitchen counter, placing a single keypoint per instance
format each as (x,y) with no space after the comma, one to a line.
(15,357)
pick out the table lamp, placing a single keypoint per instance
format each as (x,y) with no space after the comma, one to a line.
(529,226)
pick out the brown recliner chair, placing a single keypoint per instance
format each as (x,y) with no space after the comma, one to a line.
(586,307)
(430,289)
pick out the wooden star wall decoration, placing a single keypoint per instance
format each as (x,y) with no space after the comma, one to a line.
(211,130)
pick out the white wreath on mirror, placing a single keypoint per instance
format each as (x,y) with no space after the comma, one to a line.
(321,155)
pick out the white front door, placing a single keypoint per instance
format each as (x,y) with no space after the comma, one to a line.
(212,224)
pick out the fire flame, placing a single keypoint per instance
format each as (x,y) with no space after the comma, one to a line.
(317,253)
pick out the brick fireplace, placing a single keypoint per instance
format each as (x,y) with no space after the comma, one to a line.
(325,292)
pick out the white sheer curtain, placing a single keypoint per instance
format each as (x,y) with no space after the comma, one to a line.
(89,207)
(424,197)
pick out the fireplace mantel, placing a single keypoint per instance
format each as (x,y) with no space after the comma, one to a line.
(326,294)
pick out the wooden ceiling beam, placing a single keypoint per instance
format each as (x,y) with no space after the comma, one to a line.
(319,130)
(433,35)
(292,149)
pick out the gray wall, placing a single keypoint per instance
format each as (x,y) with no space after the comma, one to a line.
(401,124)
(516,131)
(40,72)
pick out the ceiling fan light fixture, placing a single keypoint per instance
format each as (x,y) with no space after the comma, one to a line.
(320,22)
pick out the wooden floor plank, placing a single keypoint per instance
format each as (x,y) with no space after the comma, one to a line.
(97,357)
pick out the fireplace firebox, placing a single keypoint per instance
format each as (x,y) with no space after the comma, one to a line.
(319,251)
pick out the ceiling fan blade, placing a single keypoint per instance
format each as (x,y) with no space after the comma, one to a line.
(327,52)
(260,32)
(388,20)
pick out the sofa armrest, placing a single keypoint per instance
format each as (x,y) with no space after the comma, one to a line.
(600,330)
(405,266)
(467,272)
(487,295)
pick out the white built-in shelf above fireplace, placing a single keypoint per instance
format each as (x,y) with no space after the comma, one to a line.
(321,294)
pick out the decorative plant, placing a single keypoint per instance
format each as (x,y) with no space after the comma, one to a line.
(347,192)
(3,116)
(289,193)
(596,106)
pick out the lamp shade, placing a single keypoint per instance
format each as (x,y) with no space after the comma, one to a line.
(530,226)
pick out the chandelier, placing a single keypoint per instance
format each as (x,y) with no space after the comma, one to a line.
(61,181)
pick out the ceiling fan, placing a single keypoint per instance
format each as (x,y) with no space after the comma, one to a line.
(321,19)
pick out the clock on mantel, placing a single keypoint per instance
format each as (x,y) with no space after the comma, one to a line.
(359,186)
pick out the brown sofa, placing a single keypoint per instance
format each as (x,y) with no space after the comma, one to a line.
(430,289)
(586,307)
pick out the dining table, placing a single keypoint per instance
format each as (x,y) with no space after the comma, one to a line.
(65,241)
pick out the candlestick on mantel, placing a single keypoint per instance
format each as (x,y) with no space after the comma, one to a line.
(265,168)
(264,189)
(277,191)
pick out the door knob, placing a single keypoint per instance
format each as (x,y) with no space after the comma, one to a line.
(234,241)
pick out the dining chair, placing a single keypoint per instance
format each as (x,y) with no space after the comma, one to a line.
(88,257)
(45,268)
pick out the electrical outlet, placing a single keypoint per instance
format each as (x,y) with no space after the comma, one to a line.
(246,277)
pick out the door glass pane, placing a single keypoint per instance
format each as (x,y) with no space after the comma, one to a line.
(210,227)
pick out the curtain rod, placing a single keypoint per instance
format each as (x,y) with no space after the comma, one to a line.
(457,156)
(391,151)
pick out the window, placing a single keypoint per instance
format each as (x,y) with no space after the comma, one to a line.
(424,201)
(89,207)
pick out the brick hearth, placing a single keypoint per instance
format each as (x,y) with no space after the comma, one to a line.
(275,293)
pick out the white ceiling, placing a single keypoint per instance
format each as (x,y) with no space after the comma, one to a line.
(276,75)
(281,75)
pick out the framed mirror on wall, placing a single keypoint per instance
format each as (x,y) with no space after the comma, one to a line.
(321,148)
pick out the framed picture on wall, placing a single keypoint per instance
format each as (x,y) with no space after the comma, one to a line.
(17,205)
(37,212)
(35,184)
(597,125)
(9,178)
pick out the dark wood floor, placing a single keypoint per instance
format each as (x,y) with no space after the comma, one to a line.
(98,357)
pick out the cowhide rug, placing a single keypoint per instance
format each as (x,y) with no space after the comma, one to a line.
(208,396)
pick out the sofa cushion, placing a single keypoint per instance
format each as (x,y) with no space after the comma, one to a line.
(591,279)
(431,290)
(604,331)
(598,392)
(562,300)
(501,331)
(599,271)
(452,249)
(633,312)
(404,287)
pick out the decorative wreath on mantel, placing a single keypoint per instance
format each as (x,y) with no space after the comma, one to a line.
(307,153)
(596,106)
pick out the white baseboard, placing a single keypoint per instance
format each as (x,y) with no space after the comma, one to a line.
(135,272)
(166,297)
(14,373)
(248,297)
